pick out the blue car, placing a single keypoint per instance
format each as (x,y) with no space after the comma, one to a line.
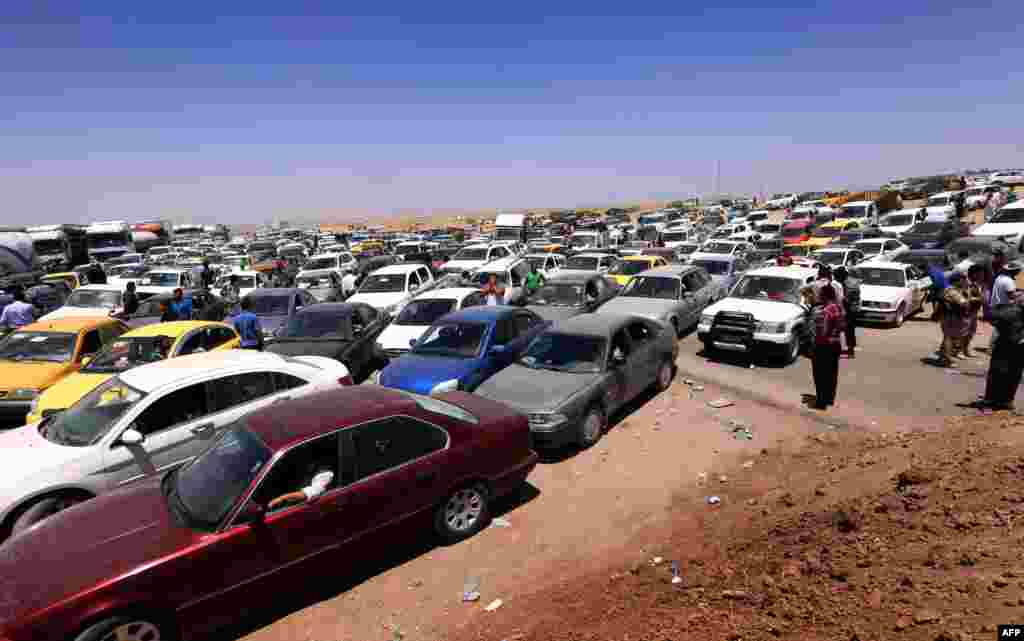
(463,349)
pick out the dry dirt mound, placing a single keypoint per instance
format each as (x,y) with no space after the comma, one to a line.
(853,537)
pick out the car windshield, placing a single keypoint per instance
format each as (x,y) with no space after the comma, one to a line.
(871,248)
(105,298)
(855,211)
(718,248)
(313,323)
(830,258)
(455,340)
(424,312)
(88,420)
(652,287)
(127,271)
(895,221)
(586,263)
(52,347)
(769,228)
(383,283)
(565,353)
(768,244)
(559,295)
(939,201)
(629,267)
(128,352)
(408,248)
(673,236)
(209,486)
(776,288)
(162,279)
(926,228)
(1005,215)
(883,277)
(269,305)
(472,253)
(714,267)
(324,262)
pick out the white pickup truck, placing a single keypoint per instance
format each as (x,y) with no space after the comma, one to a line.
(1006,224)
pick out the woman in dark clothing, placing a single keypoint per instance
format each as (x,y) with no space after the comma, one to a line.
(828,319)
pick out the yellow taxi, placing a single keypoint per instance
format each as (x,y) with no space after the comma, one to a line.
(73,279)
(38,355)
(629,266)
(371,247)
(140,346)
(827,233)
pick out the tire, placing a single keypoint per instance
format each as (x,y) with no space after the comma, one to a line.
(792,349)
(125,628)
(663,379)
(900,315)
(463,513)
(591,428)
(41,510)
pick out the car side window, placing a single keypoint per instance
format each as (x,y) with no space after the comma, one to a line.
(367,313)
(503,331)
(284,381)
(297,468)
(388,443)
(523,323)
(691,283)
(91,343)
(620,346)
(217,336)
(514,278)
(191,344)
(180,406)
(414,281)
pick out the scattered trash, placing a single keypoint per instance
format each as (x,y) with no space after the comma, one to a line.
(500,522)
(723,479)
(677,576)
(698,388)
(494,605)
(751,366)
(396,633)
(471,590)
(719,403)
(416,583)
(740,430)
(748,464)
(656,560)
(702,479)
(688,381)
(713,500)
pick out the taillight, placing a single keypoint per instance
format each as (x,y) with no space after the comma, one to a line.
(346,380)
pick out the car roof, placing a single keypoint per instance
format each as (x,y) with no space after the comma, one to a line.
(881,264)
(601,325)
(795,272)
(171,328)
(273,291)
(668,271)
(500,265)
(281,424)
(445,293)
(403,269)
(74,324)
(640,257)
(482,313)
(153,376)
(105,287)
(572,276)
(858,202)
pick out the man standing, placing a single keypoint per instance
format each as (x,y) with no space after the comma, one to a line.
(851,307)
(533,280)
(248,327)
(181,305)
(975,274)
(1007,363)
(131,299)
(825,278)
(954,319)
(231,295)
(18,313)
(207,275)
(494,293)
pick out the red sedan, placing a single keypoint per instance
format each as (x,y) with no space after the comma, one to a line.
(304,486)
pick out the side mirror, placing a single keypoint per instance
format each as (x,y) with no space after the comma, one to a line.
(252,513)
(132,437)
(412,342)
(618,361)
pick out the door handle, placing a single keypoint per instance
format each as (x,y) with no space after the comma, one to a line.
(205,428)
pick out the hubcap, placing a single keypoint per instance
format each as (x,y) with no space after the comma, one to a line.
(592,427)
(463,509)
(134,631)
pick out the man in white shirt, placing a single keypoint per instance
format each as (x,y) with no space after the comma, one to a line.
(317,486)
(348,284)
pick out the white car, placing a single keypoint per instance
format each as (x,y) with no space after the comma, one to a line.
(322,265)
(897,222)
(943,203)
(421,312)
(1010,177)
(763,313)
(165,281)
(719,247)
(838,256)
(143,422)
(890,292)
(389,288)
(749,236)
(89,300)
(1007,224)
(472,257)
(876,249)
(247,282)
(548,263)
(676,236)
(589,262)
(781,201)
(769,231)
(977,197)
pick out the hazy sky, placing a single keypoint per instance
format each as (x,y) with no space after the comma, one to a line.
(184,109)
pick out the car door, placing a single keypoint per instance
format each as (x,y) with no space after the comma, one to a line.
(618,386)
(642,363)
(366,326)
(917,285)
(694,297)
(599,287)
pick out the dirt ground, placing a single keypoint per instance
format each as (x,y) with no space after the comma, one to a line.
(851,536)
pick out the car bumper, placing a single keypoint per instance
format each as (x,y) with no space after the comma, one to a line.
(12,412)
(559,437)
(512,479)
(878,315)
(769,341)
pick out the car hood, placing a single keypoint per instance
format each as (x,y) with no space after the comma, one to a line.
(896,229)
(114,534)
(327,347)
(574,272)
(378,301)
(657,308)
(30,374)
(317,273)
(939,209)
(763,310)
(67,391)
(398,336)
(554,313)
(882,293)
(77,312)
(270,322)
(529,390)
(463,265)
(419,374)
(999,229)
(30,457)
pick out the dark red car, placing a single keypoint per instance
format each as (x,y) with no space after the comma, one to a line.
(202,547)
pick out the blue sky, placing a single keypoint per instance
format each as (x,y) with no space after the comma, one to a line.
(226,111)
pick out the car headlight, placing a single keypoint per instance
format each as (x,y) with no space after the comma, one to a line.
(546,420)
(24,393)
(771,328)
(450,385)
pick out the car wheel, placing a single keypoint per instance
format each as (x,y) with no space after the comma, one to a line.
(463,513)
(900,315)
(792,350)
(664,378)
(131,628)
(591,427)
(41,510)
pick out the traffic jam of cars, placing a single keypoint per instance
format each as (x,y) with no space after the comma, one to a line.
(162,475)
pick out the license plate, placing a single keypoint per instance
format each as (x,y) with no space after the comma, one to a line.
(732,347)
